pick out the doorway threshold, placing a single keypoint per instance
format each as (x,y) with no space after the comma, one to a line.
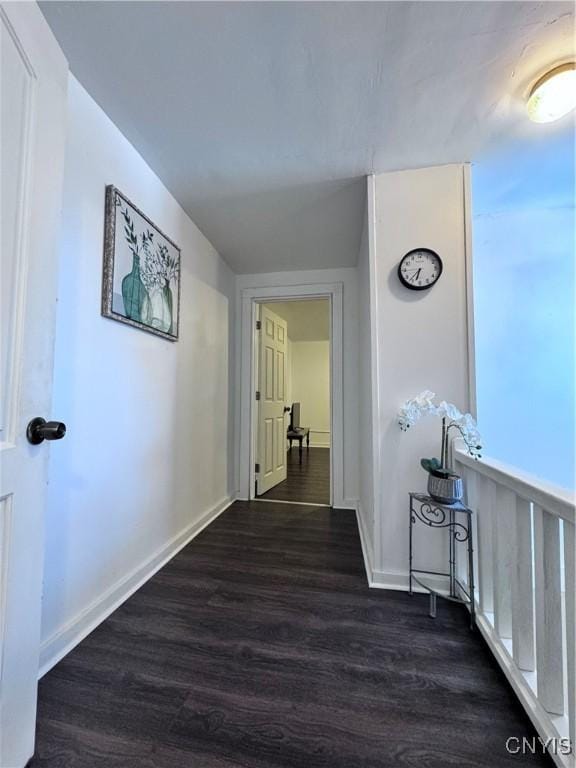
(292,503)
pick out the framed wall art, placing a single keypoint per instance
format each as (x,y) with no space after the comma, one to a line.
(141,279)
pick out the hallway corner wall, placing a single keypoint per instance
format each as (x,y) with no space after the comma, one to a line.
(147,458)
(421,343)
(367,382)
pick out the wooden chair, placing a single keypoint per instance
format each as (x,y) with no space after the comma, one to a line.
(296,432)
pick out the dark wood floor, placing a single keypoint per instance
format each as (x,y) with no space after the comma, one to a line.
(261,646)
(308,481)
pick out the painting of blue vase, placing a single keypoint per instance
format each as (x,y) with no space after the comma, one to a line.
(134,295)
(141,285)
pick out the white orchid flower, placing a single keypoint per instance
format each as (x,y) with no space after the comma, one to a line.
(422,405)
(424,399)
(449,410)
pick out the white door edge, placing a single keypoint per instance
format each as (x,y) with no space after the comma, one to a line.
(34,103)
(270,409)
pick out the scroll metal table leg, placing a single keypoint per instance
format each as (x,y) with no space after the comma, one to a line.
(410,547)
(451,533)
(471,585)
(432,605)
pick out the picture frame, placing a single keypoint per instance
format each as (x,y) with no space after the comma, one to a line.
(141,270)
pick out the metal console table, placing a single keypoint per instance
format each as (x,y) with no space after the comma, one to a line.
(434,514)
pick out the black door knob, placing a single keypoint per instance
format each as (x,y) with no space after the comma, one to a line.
(39,430)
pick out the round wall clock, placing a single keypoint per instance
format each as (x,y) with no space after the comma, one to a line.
(420,269)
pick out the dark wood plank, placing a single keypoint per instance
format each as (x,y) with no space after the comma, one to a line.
(260,645)
(307,481)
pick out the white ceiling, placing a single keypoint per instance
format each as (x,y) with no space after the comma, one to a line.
(261,118)
(307,319)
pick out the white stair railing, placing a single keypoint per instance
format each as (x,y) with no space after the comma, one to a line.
(526,593)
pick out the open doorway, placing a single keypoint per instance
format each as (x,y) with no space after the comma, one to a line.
(292,418)
(251,300)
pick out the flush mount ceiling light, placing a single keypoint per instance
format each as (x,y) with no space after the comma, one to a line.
(553,95)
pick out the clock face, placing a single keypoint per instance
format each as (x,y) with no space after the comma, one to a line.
(420,269)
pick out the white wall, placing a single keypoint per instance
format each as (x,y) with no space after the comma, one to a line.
(148,450)
(421,344)
(310,386)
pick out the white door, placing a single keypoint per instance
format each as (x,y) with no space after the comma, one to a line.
(272,388)
(33,82)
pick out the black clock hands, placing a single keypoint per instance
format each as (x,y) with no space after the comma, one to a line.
(420,269)
(415,274)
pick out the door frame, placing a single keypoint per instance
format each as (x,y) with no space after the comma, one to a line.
(249,298)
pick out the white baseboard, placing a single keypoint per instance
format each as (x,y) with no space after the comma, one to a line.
(315,442)
(398,580)
(73,632)
(366,544)
(319,438)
